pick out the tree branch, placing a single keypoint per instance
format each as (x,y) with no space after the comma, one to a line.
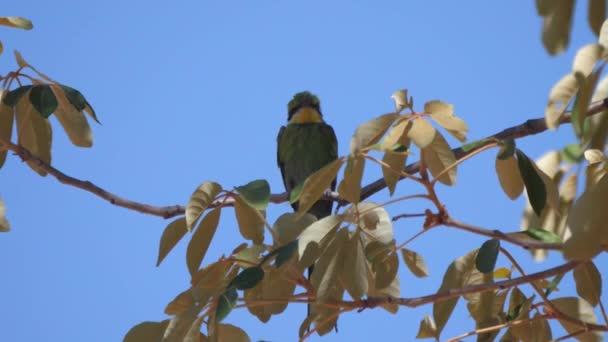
(530,127)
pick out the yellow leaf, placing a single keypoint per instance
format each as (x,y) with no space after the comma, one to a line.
(1,47)
(509,177)
(603,37)
(174,232)
(373,219)
(200,199)
(370,132)
(400,99)
(73,121)
(180,303)
(588,282)
(4,226)
(289,226)
(354,273)
(438,156)
(316,184)
(586,58)
(415,263)
(398,134)
(427,328)
(317,231)
(581,310)
(396,163)
(34,132)
(350,186)
(201,239)
(502,273)
(422,133)
(443,114)
(556,27)
(251,221)
(560,96)
(6,126)
(17,22)
(595,156)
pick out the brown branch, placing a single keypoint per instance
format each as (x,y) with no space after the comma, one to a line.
(530,127)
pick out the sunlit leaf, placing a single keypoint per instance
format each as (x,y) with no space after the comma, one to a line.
(316,184)
(250,255)
(443,114)
(427,328)
(248,278)
(200,199)
(17,22)
(560,96)
(289,226)
(422,133)
(225,304)
(6,126)
(415,263)
(556,27)
(572,153)
(354,273)
(77,100)
(317,231)
(172,234)
(509,177)
(400,99)
(438,156)
(370,132)
(4,226)
(603,36)
(588,282)
(595,156)
(73,120)
(147,332)
(180,303)
(486,258)
(350,186)
(199,243)
(583,99)
(194,333)
(373,219)
(502,273)
(581,310)
(255,193)
(586,58)
(396,163)
(250,220)
(34,132)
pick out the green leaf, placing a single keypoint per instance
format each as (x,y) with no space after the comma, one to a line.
(226,303)
(486,258)
(581,310)
(4,226)
(415,263)
(43,99)
(251,221)
(350,186)
(147,332)
(172,234)
(553,284)
(14,95)
(284,253)
(197,248)
(535,187)
(507,149)
(572,153)
(543,235)
(316,184)
(78,100)
(248,278)
(294,194)
(200,199)
(588,282)
(474,144)
(255,193)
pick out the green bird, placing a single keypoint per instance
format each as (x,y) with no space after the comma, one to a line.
(305,145)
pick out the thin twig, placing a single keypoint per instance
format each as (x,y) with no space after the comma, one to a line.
(497,327)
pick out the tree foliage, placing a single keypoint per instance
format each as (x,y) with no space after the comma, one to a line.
(355,253)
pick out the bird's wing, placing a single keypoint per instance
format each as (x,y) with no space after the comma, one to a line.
(280,147)
(332,146)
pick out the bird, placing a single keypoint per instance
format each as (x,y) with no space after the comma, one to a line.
(305,145)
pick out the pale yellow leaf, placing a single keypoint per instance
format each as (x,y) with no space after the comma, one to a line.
(73,121)
(398,134)
(415,263)
(200,199)
(4,225)
(329,266)
(443,114)
(316,184)
(350,186)
(172,234)
(373,219)
(586,58)
(603,38)
(34,132)
(556,27)
(422,132)
(578,309)
(201,239)
(250,220)
(20,60)
(396,163)
(6,127)
(370,132)
(315,232)
(289,226)
(595,156)
(560,96)
(427,328)
(17,22)
(354,273)
(438,156)
(400,99)
(509,177)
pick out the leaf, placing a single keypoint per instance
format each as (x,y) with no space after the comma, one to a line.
(535,187)
(486,258)
(474,144)
(386,270)
(200,199)
(400,99)
(427,328)
(329,266)
(443,114)
(588,282)
(251,221)
(422,133)
(180,303)
(77,100)
(354,273)
(543,235)
(350,186)
(7,118)
(595,156)
(255,193)
(4,226)
(284,253)
(583,99)
(248,278)
(250,254)
(603,36)
(225,304)
(560,96)
(180,325)
(370,132)
(586,58)
(194,333)
(556,27)
(317,231)
(587,221)
(231,333)
(174,232)
(34,133)
(316,184)
(197,248)
(415,263)
(289,226)
(438,156)
(12,97)
(373,219)
(17,22)
(509,177)
(581,310)
(502,273)
(212,280)
(596,14)
(73,121)
(147,332)
(396,161)
(43,99)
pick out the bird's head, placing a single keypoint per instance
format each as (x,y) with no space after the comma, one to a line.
(304,107)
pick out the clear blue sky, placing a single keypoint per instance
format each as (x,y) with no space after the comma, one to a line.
(189,91)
